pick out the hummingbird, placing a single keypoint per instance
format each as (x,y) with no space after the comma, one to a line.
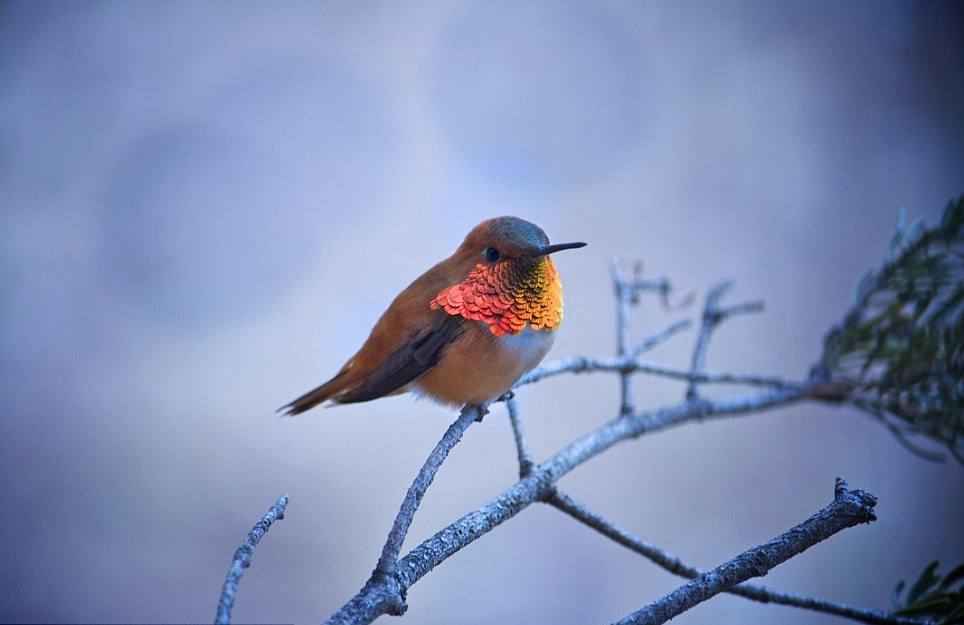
(465,330)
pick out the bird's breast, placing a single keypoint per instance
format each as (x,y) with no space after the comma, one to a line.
(479,366)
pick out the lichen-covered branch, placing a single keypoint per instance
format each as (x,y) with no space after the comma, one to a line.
(521,444)
(624,301)
(713,315)
(242,559)
(629,284)
(652,341)
(386,563)
(628,365)
(384,593)
(847,509)
(677,566)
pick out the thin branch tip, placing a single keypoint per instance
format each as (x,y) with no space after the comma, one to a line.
(860,502)
(242,559)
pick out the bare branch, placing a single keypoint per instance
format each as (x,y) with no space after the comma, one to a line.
(625,294)
(536,486)
(384,593)
(242,559)
(521,444)
(849,508)
(713,315)
(654,340)
(742,309)
(582,364)
(706,329)
(386,563)
(677,566)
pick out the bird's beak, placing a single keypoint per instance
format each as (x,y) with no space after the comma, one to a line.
(556,247)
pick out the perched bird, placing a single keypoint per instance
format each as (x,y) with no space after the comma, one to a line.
(466,330)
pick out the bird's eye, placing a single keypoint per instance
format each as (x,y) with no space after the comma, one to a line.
(492,254)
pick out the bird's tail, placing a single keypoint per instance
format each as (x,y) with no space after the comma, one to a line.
(312,398)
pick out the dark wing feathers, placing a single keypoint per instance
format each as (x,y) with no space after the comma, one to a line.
(401,367)
(406,363)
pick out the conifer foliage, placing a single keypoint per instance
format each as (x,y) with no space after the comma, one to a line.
(898,354)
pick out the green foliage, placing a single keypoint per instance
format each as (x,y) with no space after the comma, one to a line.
(899,352)
(933,597)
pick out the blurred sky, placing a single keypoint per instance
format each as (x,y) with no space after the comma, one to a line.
(205,206)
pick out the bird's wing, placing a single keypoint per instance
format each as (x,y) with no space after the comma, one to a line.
(406,363)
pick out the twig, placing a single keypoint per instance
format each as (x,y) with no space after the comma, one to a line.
(522,446)
(713,315)
(628,289)
(677,566)
(384,592)
(624,301)
(582,364)
(386,563)
(654,340)
(242,559)
(848,508)
(709,322)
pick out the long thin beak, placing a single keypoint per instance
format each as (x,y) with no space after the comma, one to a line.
(556,247)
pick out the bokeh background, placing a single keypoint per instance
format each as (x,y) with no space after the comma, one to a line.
(205,206)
